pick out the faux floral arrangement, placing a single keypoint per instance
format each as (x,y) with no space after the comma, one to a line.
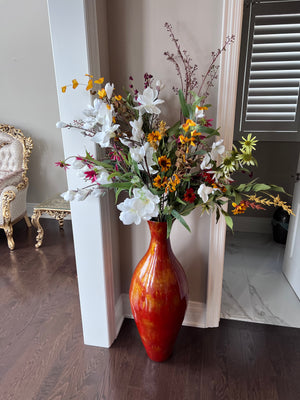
(166,171)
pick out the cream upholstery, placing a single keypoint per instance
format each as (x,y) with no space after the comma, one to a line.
(15,150)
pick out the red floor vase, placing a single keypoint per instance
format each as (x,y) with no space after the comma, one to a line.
(158,295)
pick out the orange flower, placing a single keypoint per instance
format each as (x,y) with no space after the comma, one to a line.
(118,98)
(188,124)
(164,163)
(101,93)
(153,138)
(239,208)
(172,183)
(159,182)
(75,83)
(63,89)
(89,85)
(99,81)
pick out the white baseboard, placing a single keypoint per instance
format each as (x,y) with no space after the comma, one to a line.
(252,224)
(195,314)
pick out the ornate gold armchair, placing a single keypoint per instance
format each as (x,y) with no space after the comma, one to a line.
(15,150)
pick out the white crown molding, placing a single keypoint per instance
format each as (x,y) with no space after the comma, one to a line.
(232,24)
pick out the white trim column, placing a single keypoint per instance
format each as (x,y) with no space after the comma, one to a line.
(232,25)
(91,223)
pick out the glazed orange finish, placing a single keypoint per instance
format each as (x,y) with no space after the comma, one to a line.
(158,295)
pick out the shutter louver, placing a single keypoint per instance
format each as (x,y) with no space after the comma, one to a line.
(272,79)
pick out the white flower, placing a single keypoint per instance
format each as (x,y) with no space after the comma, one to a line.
(217,148)
(159,86)
(206,162)
(103,177)
(77,164)
(97,114)
(82,194)
(140,153)
(61,124)
(143,206)
(108,131)
(69,195)
(97,192)
(81,171)
(148,101)
(137,132)
(92,111)
(199,113)
(204,191)
(130,211)
(109,88)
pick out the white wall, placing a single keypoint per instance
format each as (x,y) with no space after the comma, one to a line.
(28,91)
(137,41)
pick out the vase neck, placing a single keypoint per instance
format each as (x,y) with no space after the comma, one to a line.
(158,231)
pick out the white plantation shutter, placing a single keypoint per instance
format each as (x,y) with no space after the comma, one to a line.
(268,89)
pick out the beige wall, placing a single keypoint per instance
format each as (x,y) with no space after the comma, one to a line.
(137,41)
(28,91)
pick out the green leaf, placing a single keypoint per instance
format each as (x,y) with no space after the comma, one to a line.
(169,225)
(278,188)
(184,106)
(261,186)
(229,221)
(178,200)
(174,129)
(180,219)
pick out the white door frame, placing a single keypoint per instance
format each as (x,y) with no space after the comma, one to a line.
(232,24)
(73,27)
(75,43)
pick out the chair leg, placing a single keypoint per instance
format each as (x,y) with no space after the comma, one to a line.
(8,229)
(27,220)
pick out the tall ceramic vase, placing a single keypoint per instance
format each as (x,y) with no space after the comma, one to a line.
(158,295)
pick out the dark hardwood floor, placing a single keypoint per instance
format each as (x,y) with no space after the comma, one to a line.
(42,355)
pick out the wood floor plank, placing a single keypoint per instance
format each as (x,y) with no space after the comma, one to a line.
(42,355)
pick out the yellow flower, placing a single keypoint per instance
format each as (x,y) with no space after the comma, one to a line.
(89,85)
(172,183)
(75,83)
(188,124)
(108,106)
(164,163)
(101,93)
(183,139)
(153,138)
(90,76)
(159,182)
(63,89)
(201,108)
(99,81)
(118,98)
(239,208)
